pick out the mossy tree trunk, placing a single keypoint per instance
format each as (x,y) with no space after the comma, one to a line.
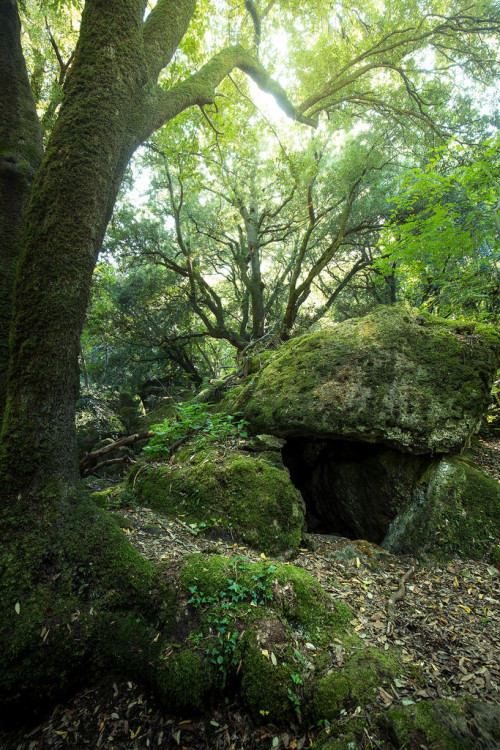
(20,156)
(58,558)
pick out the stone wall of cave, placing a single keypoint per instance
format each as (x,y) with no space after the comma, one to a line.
(353,489)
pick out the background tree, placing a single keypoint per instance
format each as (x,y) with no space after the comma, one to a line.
(251,239)
(444,236)
(139,327)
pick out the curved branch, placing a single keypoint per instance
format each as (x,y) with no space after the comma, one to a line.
(163,31)
(254,14)
(161,106)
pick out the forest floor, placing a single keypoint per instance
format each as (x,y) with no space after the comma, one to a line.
(447,626)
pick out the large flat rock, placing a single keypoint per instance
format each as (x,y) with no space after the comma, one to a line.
(412,382)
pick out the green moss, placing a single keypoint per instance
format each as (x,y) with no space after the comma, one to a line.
(310,607)
(131,410)
(109,497)
(412,381)
(264,686)
(239,495)
(355,685)
(186,681)
(442,725)
(159,414)
(276,678)
(74,604)
(456,512)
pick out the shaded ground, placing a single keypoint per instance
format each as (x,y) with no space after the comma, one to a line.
(447,625)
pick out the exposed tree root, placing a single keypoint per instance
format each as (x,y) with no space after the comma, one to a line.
(397,596)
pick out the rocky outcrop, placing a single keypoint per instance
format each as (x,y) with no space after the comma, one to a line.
(411,382)
(368,408)
(454,509)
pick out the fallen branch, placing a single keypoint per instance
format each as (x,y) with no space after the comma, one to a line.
(110,461)
(396,597)
(89,457)
(186,527)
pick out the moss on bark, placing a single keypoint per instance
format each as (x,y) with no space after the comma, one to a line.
(75,603)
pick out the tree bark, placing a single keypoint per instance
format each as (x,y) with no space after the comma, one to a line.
(65,569)
(20,156)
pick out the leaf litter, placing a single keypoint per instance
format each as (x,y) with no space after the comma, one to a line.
(446,623)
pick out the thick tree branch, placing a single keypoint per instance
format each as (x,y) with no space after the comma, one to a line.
(163,31)
(199,89)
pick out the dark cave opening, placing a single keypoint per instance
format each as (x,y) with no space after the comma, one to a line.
(350,488)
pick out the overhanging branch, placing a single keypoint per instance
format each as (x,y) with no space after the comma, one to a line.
(199,89)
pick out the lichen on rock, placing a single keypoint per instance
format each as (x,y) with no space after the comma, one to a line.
(412,382)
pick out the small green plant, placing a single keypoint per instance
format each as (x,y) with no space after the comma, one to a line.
(218,624)
(292,695)
(194,420)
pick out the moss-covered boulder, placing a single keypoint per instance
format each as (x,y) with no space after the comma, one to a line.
(228,493)
(461,724)
(455,510)
(270,632)
(164,409)
(444,725)
(131,410)
(414,382)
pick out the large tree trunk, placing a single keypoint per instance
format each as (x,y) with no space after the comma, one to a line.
(20,156)
(51,535)
(75,596)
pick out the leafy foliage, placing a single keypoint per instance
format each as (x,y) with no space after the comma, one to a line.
(194,420)
(257,591)
(444,235)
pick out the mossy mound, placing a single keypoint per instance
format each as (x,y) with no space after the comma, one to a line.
(413,382)
(131,410)
(270,632)
(229,493)
(356,685)
(455,512)
(110,497)
(165,409)
(461,724)
(73,605)
(445,725)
